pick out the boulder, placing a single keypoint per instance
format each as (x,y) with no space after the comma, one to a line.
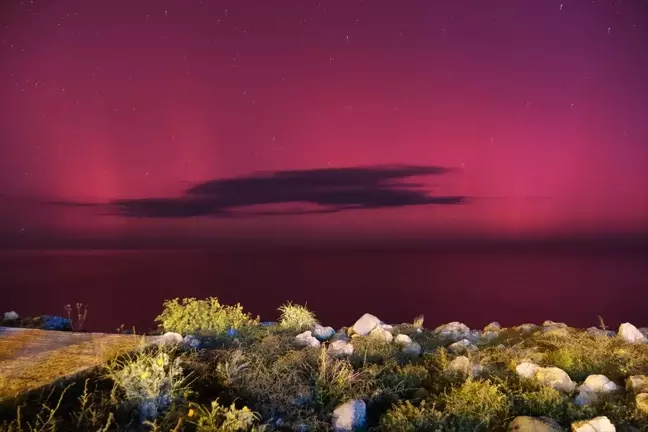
(642,402)
(382,334)
(365,324)
(553,324)
(631,334)
(170,338)
(306,339)
(594,385)
(412,350)
(402,339)
(527,328)
(454,331)
(341,335)
(323,333)
(463,346)
(527,369)
(464,366)
(490,335)
(350,416)
(637,384)
(493,327)
(597,424)
(191,341)
(556,378)
(534,424)
(340,348)
(10,316)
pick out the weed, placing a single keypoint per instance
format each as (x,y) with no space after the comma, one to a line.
(406,417)
(217,418)
(81,315)
(296,317)
(475,405)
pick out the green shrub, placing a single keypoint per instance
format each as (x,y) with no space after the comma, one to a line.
(405,417)
(296,317)
(475,405)
(202,316)
(545,401)
(151,380)
(218,418)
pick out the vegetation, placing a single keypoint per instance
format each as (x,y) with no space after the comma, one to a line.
(262,381)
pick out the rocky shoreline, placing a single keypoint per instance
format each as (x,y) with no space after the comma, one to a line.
(297,374)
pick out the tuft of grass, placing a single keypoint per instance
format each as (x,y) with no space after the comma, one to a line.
(191,316)
(296,317)
(151,379)
(475,405)
(418,321)
(218,418)
(406,417)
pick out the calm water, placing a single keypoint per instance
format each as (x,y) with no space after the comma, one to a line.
(128,287)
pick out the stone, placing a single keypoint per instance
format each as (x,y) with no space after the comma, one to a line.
(527,369)
(527,328)
(644,331)
(597,424)
(387,327)
(307,340)
(341,335)
(191,341)
(490,335)
(171,338)
(637,384)
(412,350)
(493,327)
(454,330)
(402,339)
(642,402)
(365,324)
(382,334)
(556,378)
(340,348)
(597,332)
(350,416)
(462,365)
(593,386)
(10,316)
(554,324)
(631,334)
(534,424)
(462,346)
(323,333)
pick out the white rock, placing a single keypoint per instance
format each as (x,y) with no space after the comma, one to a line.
(637,384)
(559,332)
(382,334)
(493,327)
(642,402)
(527,369)
(340,348)
(454,330)
(534,424)
(490,335)
(11,316)
(350,416)
(307,339)
(462,346)
(630,334)
(323,333)
(461,364)
(556,378)
(597,424)
(599,384)
(554,324)
(413,350)
(403,339)
(191,341)
(365,324)
(170,338)
(387,327)
(527,328)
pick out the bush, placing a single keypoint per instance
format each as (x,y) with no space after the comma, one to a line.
(405,417)
(202,316)
(218,418)
(296,317)
(151,380)
(476,405)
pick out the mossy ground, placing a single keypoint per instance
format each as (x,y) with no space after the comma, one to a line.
(261,381)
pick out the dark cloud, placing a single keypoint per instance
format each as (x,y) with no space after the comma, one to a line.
(329,190)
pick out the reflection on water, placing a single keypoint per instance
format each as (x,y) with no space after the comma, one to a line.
(476,287)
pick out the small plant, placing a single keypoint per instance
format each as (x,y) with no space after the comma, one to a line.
(418,321)
(193,316)
(152,380)
(296,317)
(406,417)
(81,315)
(475,405)
(546,401)
(218,418)
(230,370)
